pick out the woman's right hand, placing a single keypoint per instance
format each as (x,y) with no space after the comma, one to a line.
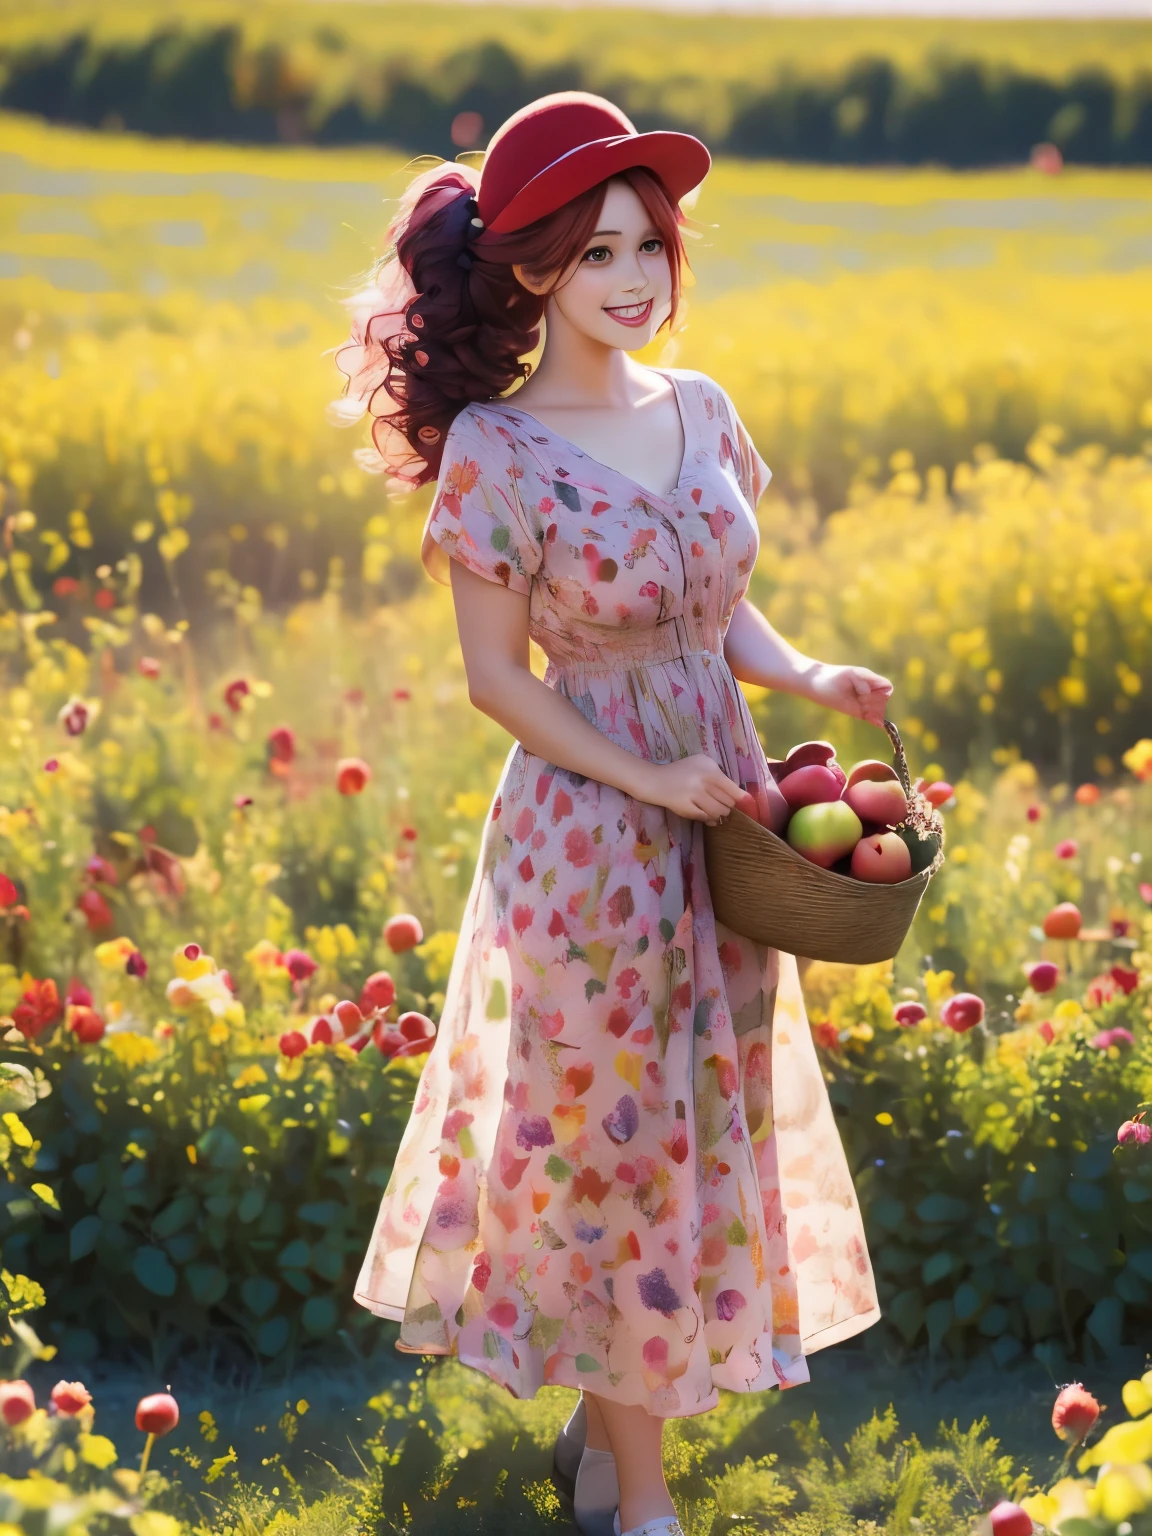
(694,787)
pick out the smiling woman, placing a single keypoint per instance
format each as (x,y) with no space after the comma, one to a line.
(600,1186)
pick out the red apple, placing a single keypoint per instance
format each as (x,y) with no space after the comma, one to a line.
(824,832)
(1010,1520)
(810,785)
(883,859)
(809,754)
(403,932)
(962,1012)
(908,1014)
(748,804)
(875,793)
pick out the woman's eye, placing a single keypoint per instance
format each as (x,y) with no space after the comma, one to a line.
(596,251)
(655,240)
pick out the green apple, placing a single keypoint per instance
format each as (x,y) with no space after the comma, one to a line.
(824,832)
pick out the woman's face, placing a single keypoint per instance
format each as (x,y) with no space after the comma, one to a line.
(618,291)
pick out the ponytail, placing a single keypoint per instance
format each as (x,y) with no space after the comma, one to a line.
(444,321)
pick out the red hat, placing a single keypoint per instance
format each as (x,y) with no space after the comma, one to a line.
(561,145)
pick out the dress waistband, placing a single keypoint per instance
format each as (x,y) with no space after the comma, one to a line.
(630,650)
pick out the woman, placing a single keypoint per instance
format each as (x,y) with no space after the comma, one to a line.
(621,1173)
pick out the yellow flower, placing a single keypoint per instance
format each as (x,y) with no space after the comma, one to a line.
(1137,1395)
(113,953)
(132,1049)
(1126,1443)
(437,952)
(1040,1507)
(938,985)
(1123,1491)
(253,1074)
(265,956)
(1067,1012)
(189,968)
(1138,759)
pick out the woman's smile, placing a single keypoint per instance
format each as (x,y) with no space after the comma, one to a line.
(630,314)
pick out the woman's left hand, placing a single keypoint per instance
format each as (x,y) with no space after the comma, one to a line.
(852,690)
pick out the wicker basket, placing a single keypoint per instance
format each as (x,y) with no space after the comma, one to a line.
(766,891)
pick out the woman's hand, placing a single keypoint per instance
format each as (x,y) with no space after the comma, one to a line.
(695,787)
(851,690)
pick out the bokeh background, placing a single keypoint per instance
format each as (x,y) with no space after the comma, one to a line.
(237,742)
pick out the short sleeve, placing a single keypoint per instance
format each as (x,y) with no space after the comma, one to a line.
(754,473)
(477,516)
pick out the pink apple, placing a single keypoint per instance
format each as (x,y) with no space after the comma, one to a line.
(1042,975)
(884,859)
(874,792)
(962,1012)
(824,832)
(810,785)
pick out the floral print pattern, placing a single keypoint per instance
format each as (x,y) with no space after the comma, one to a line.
(622,1171)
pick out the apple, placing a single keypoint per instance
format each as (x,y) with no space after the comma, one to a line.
(808,754)
(824,832)
(810,785)
(1042,975)
(884,859)
(875,793)
(748,804)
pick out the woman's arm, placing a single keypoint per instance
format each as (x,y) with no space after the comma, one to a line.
(493,626)
(758,654)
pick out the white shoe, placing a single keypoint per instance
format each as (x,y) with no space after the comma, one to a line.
(667,1525)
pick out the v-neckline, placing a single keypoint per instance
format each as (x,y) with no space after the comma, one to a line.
(507,405)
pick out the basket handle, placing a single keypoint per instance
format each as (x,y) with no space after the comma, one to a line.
(901,761)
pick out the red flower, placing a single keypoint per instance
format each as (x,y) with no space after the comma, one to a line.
(281,745)
(1110,1037)
(1088,794)
(1134,1133)
(321,1031)
(962,1012)
(293,1043)
(1127,980)
(1146,892)
(78,993)
(235,693)
(1074,1413)
(401,695)
(105,598)
(1046,1032)
(74,717)
(908,1014)
(8,892)
(136,965)
(352,774)
(1034,813)
(148,666)
(87,1025)
(65,586)
(101,870)
(95,909)
(1068,849)
(827,1035)
(300,965)
(39,1009)
(157,1414)
(69,1397)
(17,1402)
(409,834)
(379,991)
(403,932)
(1042,976)
(1009,1519)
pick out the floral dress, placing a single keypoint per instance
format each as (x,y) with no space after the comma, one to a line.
(622,1171)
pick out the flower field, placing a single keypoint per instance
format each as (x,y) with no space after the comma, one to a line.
(238,747)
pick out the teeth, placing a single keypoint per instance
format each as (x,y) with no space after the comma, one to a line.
(630,311)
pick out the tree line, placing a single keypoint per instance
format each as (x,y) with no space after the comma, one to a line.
(213,84)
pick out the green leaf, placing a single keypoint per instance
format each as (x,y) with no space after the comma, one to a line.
(1140,1259)
(936,1210)
(1085,1197)
(259,1293)
(299,1280)
(1135,1192)
(220,1149)
(170,1220)
(207,1282)
(251,1205)
(17,1087)
(319,1315)
(152,1268)
(182,1247)
(1006,1349)
(994,1321)
(297,1255)
(320,1213)
(328,1262)
(938,1318)
(1106,1323)
(82,1238)
(935,1268)
(272,1336)
(966,1302)
(906,1312)
(887,1213)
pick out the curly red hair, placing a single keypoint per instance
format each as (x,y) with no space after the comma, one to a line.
(444,320)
